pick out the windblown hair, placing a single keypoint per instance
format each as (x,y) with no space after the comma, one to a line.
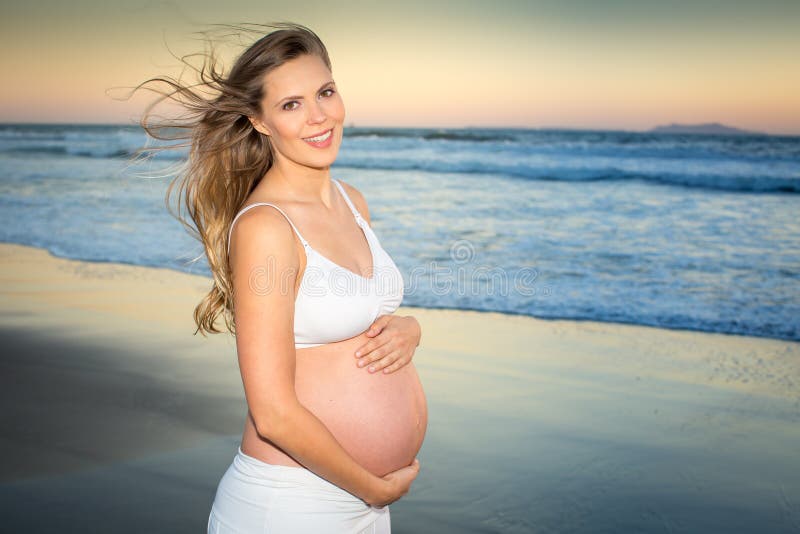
(227,157)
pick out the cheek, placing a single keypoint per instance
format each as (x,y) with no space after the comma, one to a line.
(289,125)
(335,108)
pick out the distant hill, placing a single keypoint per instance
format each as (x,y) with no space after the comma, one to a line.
(708,128)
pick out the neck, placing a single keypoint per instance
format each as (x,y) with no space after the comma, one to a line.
(300,183)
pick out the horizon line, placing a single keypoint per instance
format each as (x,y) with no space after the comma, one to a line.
(465,127)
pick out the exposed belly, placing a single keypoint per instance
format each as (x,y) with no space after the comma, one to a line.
(380,419)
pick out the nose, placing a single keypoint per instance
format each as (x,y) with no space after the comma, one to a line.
(316,114)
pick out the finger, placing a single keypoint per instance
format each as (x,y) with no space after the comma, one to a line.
(379,324)
(368,347)
(363,350)
(375,355)
(370,357)
(367,350)
(398,363)
(383,362)
(385,319)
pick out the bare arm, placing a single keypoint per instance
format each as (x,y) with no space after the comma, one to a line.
(265,265)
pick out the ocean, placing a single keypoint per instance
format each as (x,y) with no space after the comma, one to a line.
(696,232)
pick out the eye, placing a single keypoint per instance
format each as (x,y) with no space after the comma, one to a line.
(290,102)
(329,89)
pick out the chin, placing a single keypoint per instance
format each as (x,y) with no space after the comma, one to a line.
(325,159)
(319,163)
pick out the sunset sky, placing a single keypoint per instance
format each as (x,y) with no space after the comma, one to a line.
(627,65)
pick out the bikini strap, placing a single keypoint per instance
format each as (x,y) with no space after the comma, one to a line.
(356,214)
(230,231)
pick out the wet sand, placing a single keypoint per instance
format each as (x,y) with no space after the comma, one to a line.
(116,418)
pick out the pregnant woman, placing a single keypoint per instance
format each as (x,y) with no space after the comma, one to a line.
(327,443)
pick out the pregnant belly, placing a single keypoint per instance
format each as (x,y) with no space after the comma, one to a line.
(379,418)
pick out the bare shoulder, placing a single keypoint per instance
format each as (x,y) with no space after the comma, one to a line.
(260,233)
(358,199)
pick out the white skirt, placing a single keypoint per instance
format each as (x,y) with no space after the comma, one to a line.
(257,497)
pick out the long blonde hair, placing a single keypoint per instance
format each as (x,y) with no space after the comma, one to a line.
(227,157)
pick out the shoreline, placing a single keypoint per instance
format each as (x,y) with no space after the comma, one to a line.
(106,386)
(122,303)
(201,279)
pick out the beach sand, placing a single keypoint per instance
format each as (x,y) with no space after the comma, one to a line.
(116,418)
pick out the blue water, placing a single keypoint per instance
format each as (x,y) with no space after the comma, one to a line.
(681,231)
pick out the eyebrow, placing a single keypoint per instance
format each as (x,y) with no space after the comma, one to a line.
(300,97)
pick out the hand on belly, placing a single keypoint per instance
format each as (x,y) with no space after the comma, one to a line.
(380,419)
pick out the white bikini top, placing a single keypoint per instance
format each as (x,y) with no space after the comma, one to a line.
(334,303)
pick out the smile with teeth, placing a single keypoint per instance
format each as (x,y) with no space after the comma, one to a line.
(319,138)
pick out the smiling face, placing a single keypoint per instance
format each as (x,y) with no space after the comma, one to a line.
(301,101)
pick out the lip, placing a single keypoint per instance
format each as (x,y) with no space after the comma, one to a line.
(322,145)
(317,134)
